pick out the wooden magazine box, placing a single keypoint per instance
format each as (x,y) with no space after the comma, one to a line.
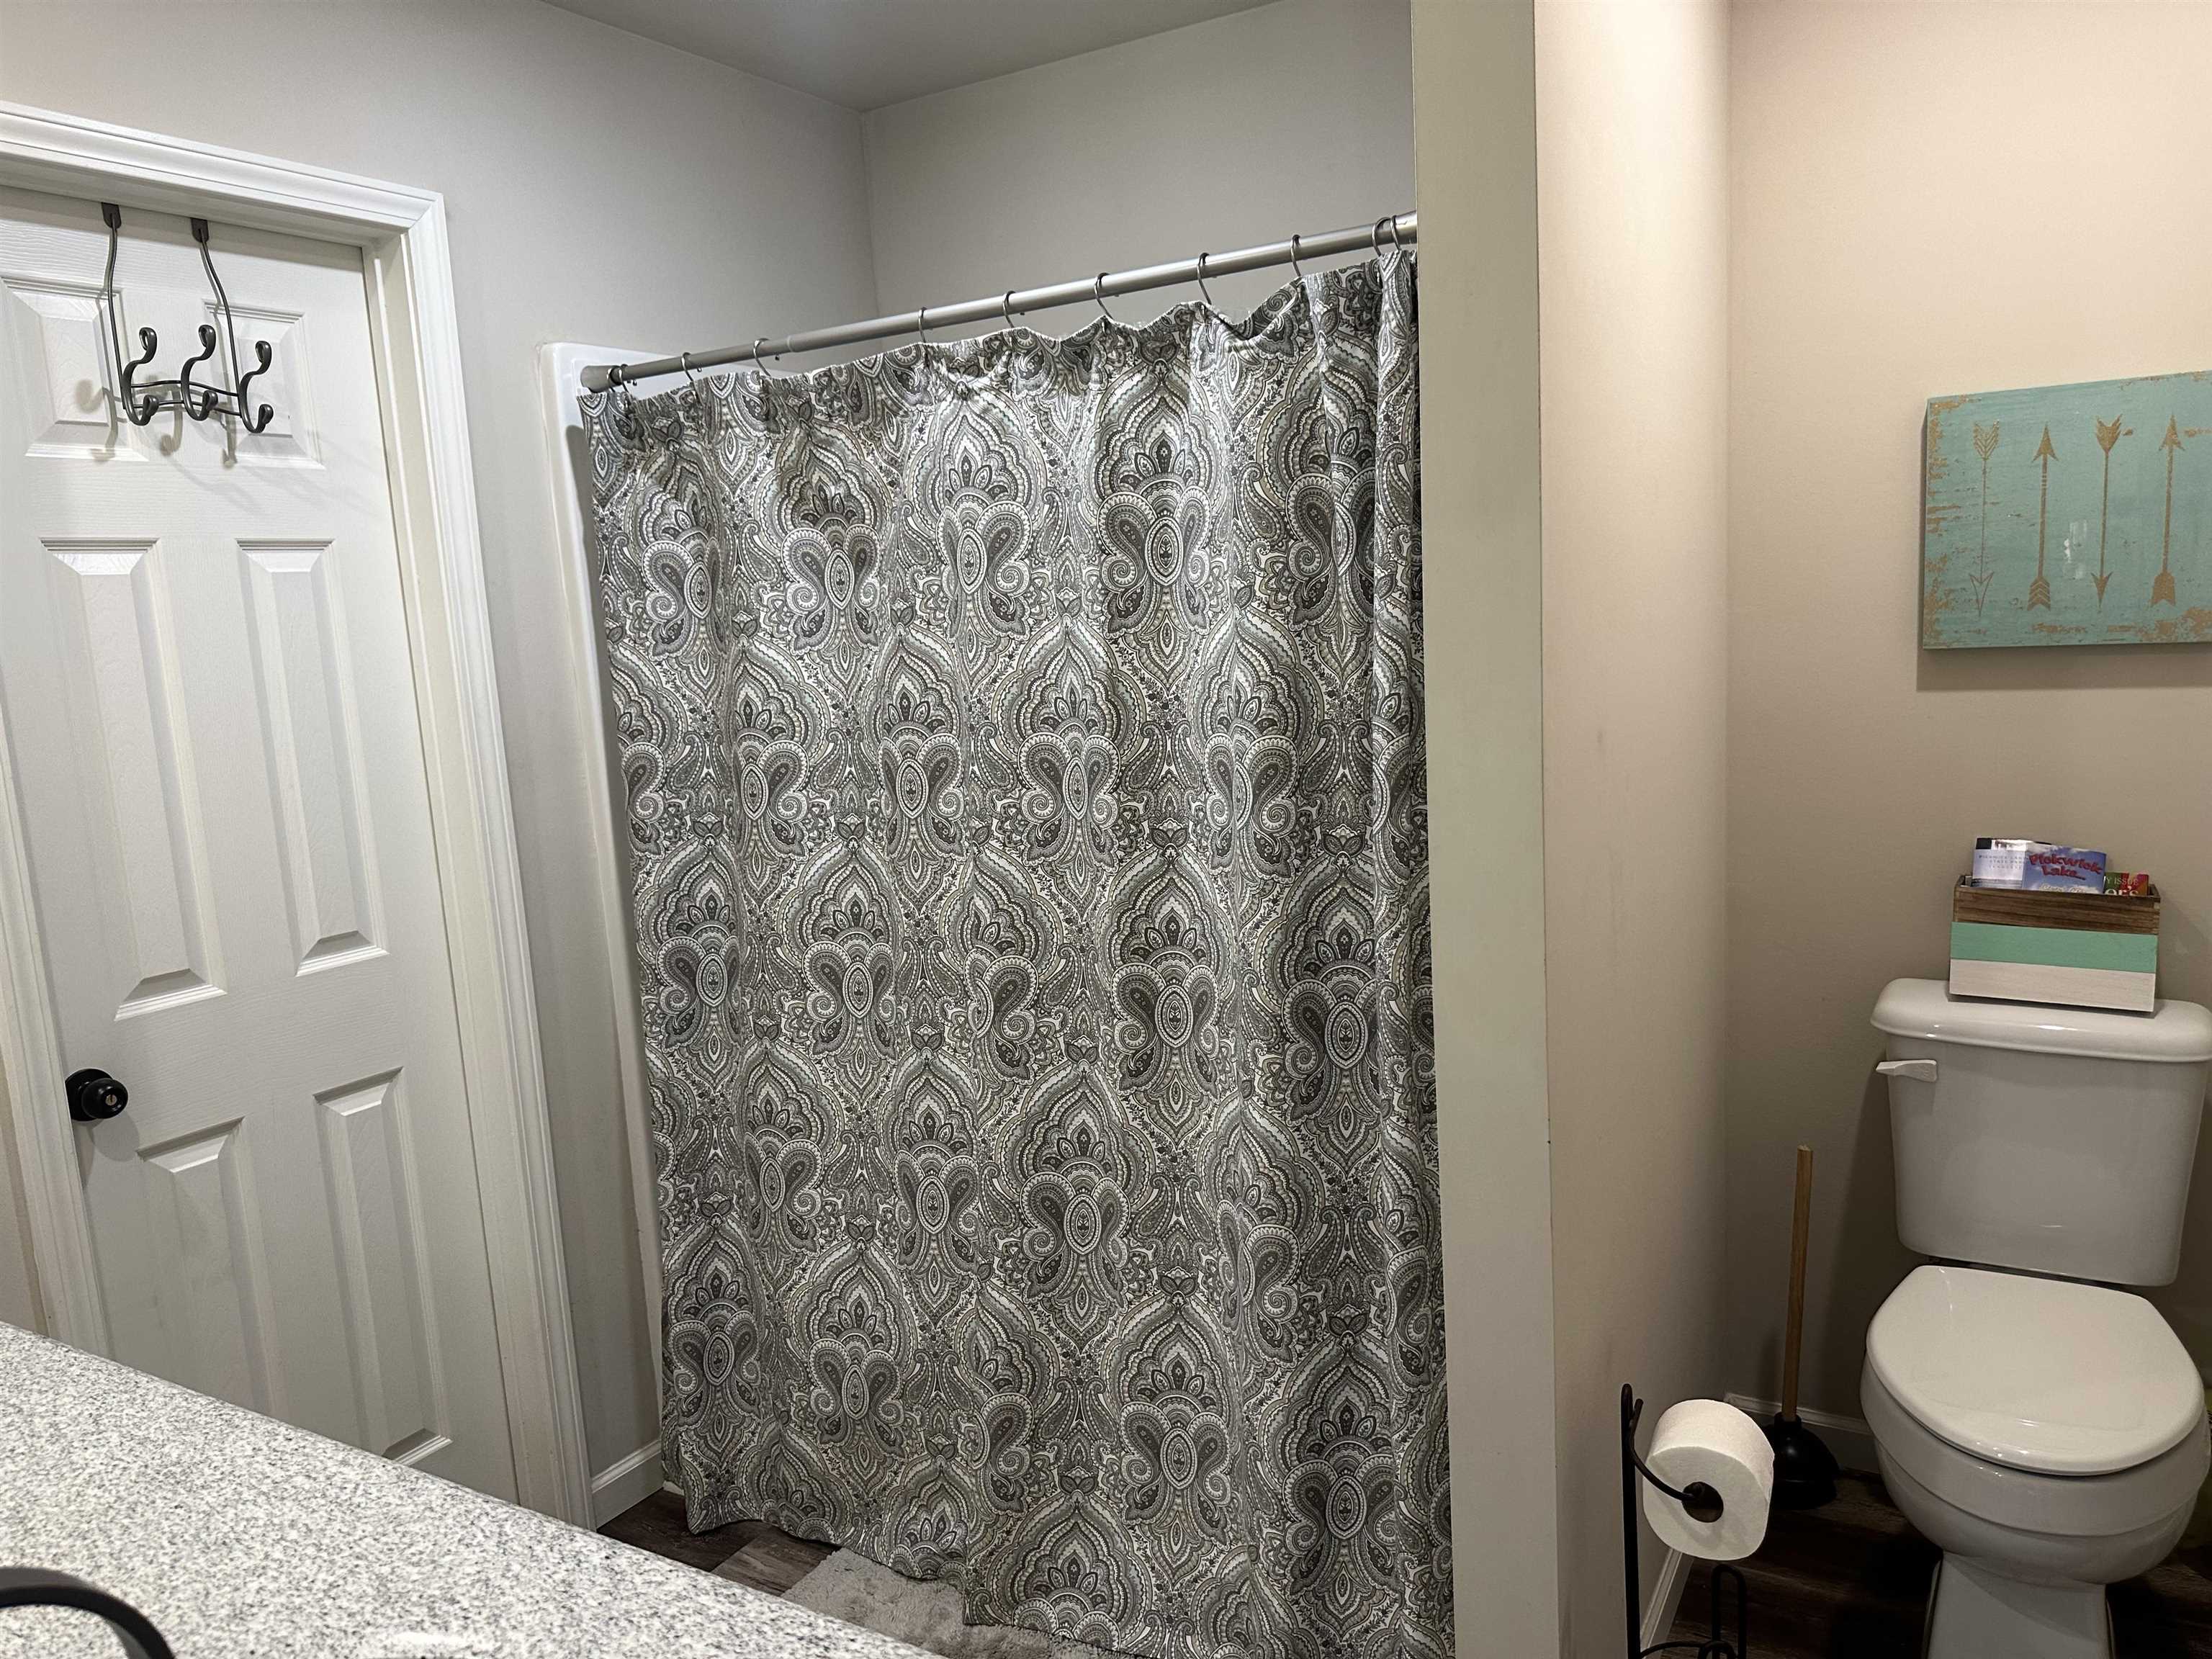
(2084,950)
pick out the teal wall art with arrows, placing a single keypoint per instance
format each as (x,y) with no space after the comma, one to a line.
(2069,515)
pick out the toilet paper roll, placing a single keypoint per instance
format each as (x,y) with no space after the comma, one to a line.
(1711,1441)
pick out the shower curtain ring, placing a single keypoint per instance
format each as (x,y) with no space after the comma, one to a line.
(1391,220)
(1006,307)
(1297,270)
(1098,297)
(683,362)
(757,344)
(1205,292)
(922,325)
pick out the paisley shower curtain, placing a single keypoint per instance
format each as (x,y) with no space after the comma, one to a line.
(1025,763)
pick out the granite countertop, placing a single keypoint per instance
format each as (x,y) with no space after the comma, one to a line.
(244,1538)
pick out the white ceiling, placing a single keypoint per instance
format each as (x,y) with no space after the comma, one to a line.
(867,54)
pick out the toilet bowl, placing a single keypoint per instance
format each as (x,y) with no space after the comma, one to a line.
(2043,1428)
(2048,1436)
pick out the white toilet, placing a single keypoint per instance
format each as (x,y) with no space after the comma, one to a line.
(2045,1430)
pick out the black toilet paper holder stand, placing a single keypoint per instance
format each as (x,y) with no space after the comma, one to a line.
(1700,1503)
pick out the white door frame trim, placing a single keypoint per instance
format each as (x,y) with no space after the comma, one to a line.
(401,233)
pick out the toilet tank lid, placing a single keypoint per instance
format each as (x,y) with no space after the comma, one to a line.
(2176,1033)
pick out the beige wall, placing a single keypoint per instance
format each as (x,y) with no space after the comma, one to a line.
(1632,134)
(1482,554)
(1929,199)
(598,187)
(1296,116)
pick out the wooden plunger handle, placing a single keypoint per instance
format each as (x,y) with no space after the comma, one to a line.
(1800,1224)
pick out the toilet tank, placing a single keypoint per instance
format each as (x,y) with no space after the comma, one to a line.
(2059,1140)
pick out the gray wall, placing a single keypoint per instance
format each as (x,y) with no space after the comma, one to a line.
(1929,199)
(599,187)
(1295,117)
(19,1294)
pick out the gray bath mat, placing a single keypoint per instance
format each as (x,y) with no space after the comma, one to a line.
(850,1587)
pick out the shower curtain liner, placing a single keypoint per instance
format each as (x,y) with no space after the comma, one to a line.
(1024,750)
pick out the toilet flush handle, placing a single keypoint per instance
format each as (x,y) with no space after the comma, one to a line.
(1922,1069)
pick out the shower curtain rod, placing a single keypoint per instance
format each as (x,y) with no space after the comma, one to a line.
(1397,228)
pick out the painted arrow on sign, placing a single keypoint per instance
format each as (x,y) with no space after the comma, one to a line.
(2108,434)
(1986,444)
(2039,591)
(2161,587)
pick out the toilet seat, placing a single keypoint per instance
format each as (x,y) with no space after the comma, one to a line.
(2042,1376)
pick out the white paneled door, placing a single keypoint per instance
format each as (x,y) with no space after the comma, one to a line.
(210,708)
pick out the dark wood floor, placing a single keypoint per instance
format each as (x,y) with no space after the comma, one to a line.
(750,1553)
(1850,1581)
(1847,1581)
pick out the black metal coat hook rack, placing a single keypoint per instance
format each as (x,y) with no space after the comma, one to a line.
(142,400)
(1701,1503)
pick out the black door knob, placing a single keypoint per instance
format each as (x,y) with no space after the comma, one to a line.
(93,1095)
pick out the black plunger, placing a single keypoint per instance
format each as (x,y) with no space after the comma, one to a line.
(1804,1468)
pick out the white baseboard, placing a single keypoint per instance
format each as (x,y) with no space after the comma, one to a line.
(1666,1597)
(621,1484)
(1849,1437)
